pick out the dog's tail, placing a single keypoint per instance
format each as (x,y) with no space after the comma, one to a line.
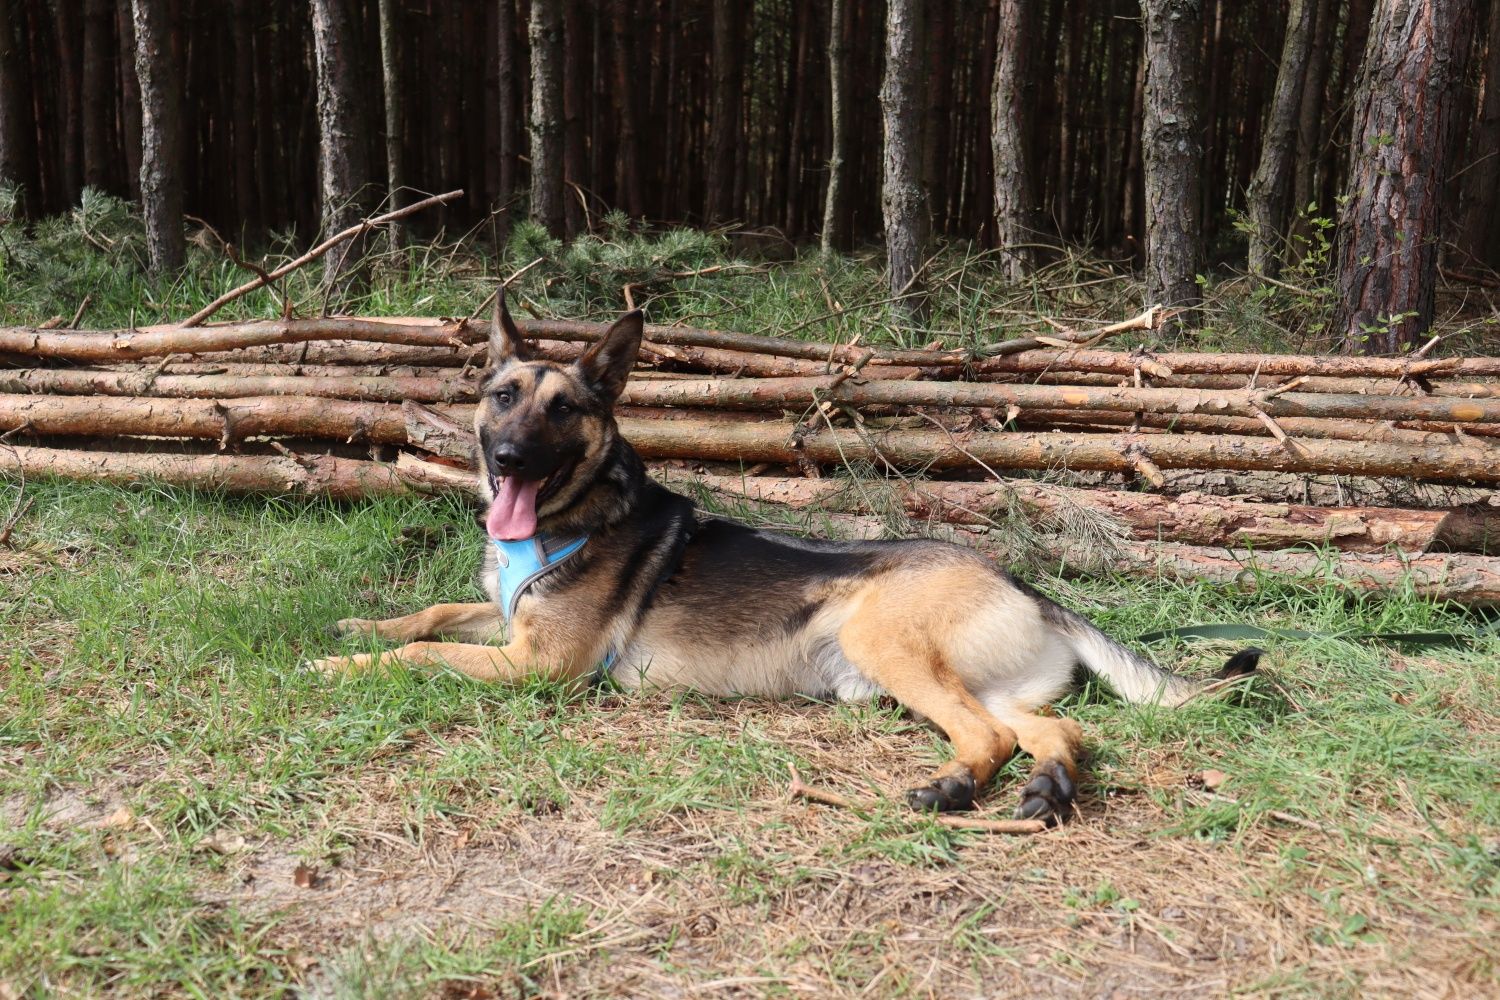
(1134,677)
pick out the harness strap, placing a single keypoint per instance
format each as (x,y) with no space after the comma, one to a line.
(522,562)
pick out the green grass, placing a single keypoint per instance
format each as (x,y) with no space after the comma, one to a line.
(151,642)
(165,764)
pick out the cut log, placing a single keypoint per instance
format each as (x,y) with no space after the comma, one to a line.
(1468,579)
(308,475)
(780,393)
(157,341)
(1462,578)
(1311,383)
(1195,518)
(651,397)
(1465,579)
(776,442)
(1268,365)
(1415,432)
(381,388)
(226,421)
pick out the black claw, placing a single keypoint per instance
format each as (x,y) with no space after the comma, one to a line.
(1059,776)
(953,793)
(1048,795)
(1037,807)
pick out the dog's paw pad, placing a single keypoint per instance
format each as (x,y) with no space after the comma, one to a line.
(1048,795)
(952,793)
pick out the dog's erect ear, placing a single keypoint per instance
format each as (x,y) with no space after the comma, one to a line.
(607,364)
(506,342)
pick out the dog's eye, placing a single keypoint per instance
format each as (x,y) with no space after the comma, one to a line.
(503,397)
(562,408)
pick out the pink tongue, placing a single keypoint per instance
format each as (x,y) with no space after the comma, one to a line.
(512,516)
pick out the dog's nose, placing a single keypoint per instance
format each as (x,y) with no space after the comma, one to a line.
(506,460)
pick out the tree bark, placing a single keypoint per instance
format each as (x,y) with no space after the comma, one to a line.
(576,51)
(1015,229)
(1482,182)
(98,87)
(511,116)
(394,91)
(1172,152)
(627,86)
(247,205)
(1387,242)
(343,164)
(1305,186)
(835,209)
(546,36)
(18,159)
(1270,188)
(156,67)
(903,201)
(724,122)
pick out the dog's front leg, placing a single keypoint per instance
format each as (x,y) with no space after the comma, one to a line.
(514,661)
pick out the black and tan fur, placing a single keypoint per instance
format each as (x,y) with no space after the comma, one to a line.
(697,601)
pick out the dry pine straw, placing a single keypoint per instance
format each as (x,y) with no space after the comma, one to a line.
(1102,907)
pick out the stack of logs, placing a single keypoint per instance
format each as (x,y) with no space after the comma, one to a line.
(287,405)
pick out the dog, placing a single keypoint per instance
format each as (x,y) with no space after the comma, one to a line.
(591,565)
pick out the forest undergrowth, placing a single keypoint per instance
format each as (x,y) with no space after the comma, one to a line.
(91,262)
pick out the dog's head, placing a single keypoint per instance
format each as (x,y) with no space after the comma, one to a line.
(544,428)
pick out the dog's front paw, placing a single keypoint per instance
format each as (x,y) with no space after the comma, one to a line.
(354,626)
(951,793)
(338,666)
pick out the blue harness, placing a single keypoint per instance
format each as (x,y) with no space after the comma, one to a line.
(520,563)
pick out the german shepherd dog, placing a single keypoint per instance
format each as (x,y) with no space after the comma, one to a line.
(668,596)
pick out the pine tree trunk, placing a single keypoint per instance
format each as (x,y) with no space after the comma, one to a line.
(68,15)
(1133,196)
(510,97)
(343,161)
(18,160)
(835,208)
(724,133)
(98,87)
(130,98)
(1387,242)
(1014,227)
(1171,150)
(395,103)
(546,35)
(937,128)
(575,51)
(161,134)
(242,118)
(627,160)
(903,202)
(1270,189)
(1482,202)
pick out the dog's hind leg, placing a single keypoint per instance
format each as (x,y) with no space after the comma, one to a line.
(460,622)
(919,679)
(1056,744)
